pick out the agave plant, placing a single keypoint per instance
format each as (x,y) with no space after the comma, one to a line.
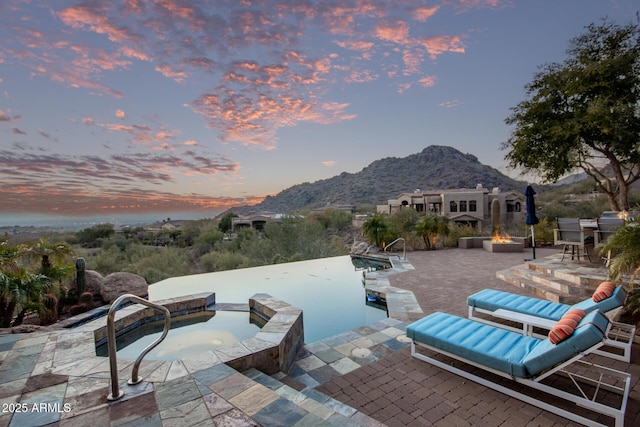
(623,248)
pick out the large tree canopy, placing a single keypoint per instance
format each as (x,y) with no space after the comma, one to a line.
(584,113)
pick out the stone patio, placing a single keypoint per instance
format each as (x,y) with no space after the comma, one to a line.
(361,377)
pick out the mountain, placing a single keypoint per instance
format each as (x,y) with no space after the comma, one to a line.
(436,167)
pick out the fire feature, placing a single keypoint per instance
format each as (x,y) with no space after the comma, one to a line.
(501,238)
(502,243)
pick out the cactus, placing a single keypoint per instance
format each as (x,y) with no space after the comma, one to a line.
(50,315)
(74,310)
(495,217)
(86,299)
(80,275)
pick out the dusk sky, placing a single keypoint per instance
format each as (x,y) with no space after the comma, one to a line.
(193,105)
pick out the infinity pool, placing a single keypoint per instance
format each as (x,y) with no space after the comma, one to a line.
(330,292)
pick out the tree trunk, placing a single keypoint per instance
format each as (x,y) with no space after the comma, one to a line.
(19,318)
(6,312)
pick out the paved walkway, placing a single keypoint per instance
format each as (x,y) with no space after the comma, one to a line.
(399,390)
(363,377)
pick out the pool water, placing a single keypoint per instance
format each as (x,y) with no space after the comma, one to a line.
(329,291)
(189,335)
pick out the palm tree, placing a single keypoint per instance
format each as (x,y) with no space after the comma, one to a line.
(23,284)
(56,252)
(432,226)
(376,229)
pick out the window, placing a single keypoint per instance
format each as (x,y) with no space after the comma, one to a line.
(463,206)
(453,207)
(472,205)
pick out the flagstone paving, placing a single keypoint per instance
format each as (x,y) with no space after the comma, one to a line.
(363,377)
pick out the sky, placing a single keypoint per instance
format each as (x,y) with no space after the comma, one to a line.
(134,106)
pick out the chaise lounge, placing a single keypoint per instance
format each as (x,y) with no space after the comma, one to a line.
(538,313)
(531,362)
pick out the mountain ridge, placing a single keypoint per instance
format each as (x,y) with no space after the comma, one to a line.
(435,167)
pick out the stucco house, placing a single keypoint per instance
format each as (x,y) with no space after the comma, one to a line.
(462,206)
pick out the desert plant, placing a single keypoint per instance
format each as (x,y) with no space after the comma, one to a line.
(432,226)
(50,313)
(74,310)
(80,274)
(86,298)
(625,247)
(376,229)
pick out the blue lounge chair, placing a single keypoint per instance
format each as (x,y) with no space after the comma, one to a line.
(528,361)
(534,312)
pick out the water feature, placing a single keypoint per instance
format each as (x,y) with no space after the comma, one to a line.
(330,292)
(189,335)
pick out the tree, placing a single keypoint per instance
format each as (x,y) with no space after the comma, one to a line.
(90,236)
(225,222)
(432,226)
(584,113)
(376,229)
(22,284)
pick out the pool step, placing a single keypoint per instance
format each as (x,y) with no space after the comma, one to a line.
(316,408)
(555,279)
(540,291)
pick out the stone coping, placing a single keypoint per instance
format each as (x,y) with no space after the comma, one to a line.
(401,304)
(271,350)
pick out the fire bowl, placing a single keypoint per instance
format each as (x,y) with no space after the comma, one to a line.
(509,246)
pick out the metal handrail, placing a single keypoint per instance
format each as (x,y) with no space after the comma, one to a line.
(404,247)
(116,393)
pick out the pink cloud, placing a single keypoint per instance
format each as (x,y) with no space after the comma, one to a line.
(428,81)
(450,104)
(359,45)
(423,13)
(120,114)
(393,31)
(139,133)
(328,163)
(94,174)
(249,61)
(168,71)
(468,4)
(6,117)
(437,45)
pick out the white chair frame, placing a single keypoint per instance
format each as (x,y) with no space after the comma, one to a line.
(581,399)
(619,336)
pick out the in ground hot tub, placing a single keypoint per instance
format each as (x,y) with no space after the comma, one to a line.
(271,349)
(189,335)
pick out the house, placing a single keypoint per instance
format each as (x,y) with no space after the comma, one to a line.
(463,206)
(256,221)
(345,207)
(166,225)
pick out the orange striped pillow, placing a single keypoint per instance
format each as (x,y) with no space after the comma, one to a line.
(566,325)
(603,291)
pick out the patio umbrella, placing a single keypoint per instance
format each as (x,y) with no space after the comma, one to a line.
(532,219)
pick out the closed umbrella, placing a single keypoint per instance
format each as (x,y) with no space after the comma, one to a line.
(532,219)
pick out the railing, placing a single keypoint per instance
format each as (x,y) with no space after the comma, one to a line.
(404,247)
(116,393)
